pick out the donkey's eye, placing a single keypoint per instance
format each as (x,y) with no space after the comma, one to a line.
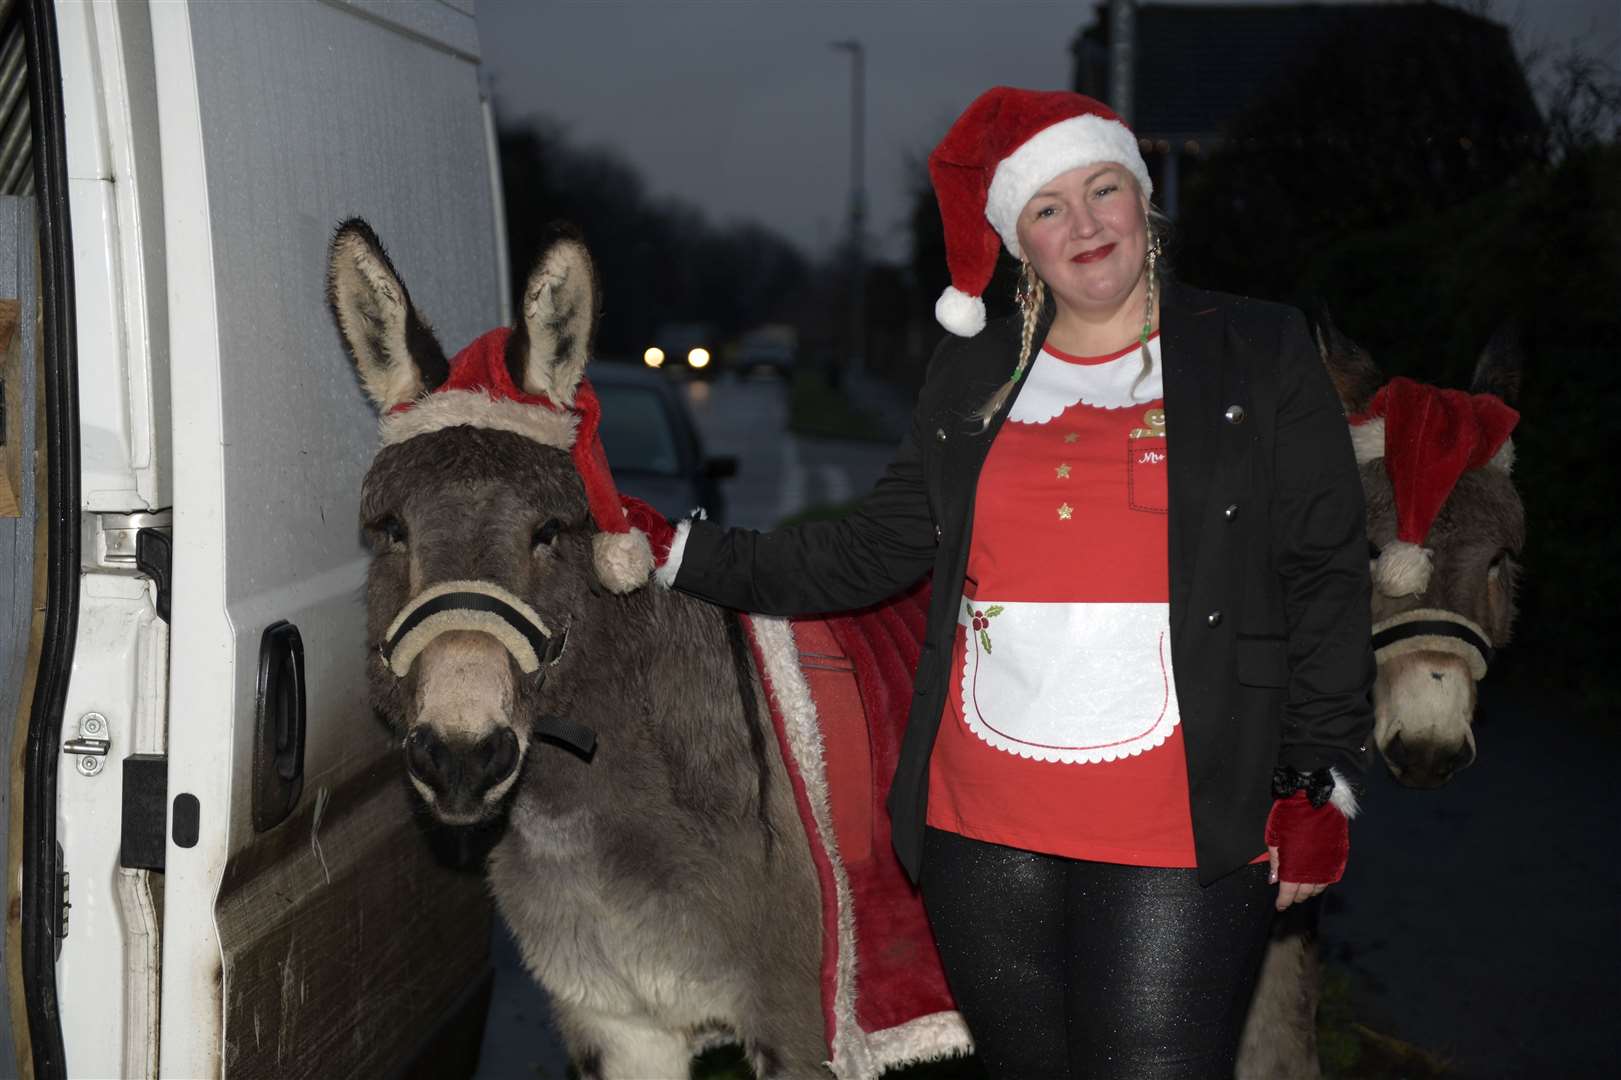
(546,533)
(1503,564)
(393,530)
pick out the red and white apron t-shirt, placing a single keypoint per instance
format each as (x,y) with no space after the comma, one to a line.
(1061,732)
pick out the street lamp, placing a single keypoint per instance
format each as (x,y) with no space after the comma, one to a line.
(858,197)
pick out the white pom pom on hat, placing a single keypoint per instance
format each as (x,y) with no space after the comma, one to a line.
(960,313)
(999,153)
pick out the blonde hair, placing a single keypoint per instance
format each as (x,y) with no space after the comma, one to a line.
(1031,296)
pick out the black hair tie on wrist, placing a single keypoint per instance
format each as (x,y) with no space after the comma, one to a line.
(1318,785)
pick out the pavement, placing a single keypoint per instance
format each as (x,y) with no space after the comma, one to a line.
(1480,921)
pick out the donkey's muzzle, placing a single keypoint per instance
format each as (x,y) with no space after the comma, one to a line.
(471,605)
(473,767)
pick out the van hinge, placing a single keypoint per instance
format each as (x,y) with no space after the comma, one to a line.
(134,543)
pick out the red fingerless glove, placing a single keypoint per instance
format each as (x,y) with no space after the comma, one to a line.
(1313,842)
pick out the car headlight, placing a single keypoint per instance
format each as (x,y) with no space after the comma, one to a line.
(653,357)
(698,358)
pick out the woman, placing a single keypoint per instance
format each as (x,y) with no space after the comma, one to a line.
(1144,693)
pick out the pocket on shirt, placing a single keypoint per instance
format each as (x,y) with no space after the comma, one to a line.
(1146,466)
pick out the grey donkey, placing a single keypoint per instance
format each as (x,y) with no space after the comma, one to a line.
(1425,696)
(658,884)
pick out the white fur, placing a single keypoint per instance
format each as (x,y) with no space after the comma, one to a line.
(475,408)
(560,287)
(1053,151)
(1403,569)
(666,574)
(364,292)
(960,313)
(1504,458)
(1368,440)
(623,561)
(856,1053)
(1344,797)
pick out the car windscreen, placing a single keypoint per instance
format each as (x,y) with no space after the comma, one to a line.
(636,431)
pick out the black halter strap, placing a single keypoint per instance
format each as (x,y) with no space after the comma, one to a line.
(1433,628)
(548,647)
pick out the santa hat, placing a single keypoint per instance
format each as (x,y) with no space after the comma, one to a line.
(1429,437)
(480,393)
(999,153)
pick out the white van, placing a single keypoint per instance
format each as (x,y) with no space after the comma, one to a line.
(212,867)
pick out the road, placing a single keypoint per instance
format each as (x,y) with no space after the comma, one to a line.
(778,474)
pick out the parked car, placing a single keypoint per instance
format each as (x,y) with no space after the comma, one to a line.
(653,445)
(771,347)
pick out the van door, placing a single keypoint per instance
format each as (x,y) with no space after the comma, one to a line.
(305,927)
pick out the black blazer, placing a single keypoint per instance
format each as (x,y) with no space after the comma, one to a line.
(1268,553)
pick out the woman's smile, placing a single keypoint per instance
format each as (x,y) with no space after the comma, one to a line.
(1094,255)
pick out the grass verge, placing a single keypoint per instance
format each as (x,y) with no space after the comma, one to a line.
(818,410)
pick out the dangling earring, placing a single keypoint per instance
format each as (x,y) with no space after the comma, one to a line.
(1024,293)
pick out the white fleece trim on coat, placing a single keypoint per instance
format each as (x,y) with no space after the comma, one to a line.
(475,408)
(1053,151)
(666,573)
(857,1054)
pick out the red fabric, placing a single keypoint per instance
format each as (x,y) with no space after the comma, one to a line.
(482,365)
(859,668)
(1313,842)
(1432,436)
(996,124)
(660,533)
(1113,549)
(818,844)
(899,969)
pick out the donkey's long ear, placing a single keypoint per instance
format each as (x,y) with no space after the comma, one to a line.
(1355,376)
(547,352)
(392,346)
(1501,362)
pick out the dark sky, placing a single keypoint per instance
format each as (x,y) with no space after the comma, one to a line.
(741,108)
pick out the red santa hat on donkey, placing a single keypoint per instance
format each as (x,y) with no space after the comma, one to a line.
(999,153)
(529,380)
(480,392)
(1428,437)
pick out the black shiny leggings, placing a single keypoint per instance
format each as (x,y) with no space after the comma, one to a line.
(1071,969)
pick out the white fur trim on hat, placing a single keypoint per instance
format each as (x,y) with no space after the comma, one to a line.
(1053,151)
(1368,440)
(623,560)
(475,408)
(960,313)
(667,571)
(1402,569)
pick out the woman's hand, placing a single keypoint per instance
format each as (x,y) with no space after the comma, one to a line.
(1306,847)
(1289,892)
